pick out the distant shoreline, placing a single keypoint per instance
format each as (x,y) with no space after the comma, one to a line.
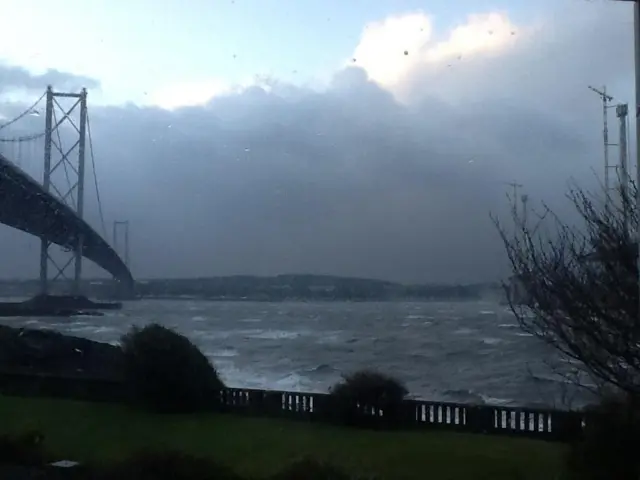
(310,300)
(281,288)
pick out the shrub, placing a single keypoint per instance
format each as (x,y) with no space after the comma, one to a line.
(611,442)
(359,392)
(167,465)
(26,449)
(165,372)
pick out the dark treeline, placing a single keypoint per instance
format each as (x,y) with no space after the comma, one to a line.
(303,287)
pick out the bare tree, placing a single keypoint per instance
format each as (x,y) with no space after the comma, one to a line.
(580,285)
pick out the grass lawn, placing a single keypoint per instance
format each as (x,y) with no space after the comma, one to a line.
(97,432)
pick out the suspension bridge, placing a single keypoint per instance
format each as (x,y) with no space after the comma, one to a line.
(53,210)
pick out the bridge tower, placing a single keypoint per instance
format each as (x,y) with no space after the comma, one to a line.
(121,246)
(124,225)
(68,120)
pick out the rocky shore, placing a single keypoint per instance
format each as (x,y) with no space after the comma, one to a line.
(52,353)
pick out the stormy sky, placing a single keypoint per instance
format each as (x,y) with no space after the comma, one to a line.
(320,137)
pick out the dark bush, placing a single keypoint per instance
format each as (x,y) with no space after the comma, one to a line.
(167,465)
(167,373)
(611,442)
(353,399)
(26,449)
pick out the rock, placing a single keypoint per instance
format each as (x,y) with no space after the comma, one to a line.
(50,352)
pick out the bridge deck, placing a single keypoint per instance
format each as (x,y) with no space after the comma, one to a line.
(25,205)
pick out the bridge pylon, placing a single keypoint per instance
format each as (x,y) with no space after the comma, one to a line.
(69,121)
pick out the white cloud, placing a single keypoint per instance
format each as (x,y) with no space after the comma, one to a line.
(194,93)
(391,50)
(187,94)
(382,47)
(481,34)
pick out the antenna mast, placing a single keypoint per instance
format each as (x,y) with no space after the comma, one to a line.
(525,199)
(606,99)
(622,112)
(515,187)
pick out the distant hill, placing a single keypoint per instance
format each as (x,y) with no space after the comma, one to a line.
(303,287)
(277,288)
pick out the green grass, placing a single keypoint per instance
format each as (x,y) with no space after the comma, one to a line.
(253,446)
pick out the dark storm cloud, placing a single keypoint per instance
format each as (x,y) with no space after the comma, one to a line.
(18,78)
(350,181)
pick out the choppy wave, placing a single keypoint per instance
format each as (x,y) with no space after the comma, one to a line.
(322,369)
(225,353)
(471,396)
(466,352)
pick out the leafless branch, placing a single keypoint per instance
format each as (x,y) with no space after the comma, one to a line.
(581,284)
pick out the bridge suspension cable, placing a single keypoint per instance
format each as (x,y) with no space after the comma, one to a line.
(95,178)
(68,232)
(23,138)
(19,141)
(31,137)
(24,114)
